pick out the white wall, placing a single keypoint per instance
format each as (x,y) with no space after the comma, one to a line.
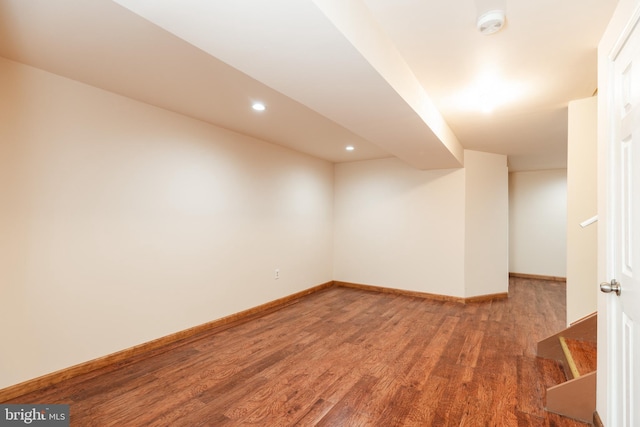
(486,224)
(582,278)
(440,231)
(399,227)
(122,222)
(538,222)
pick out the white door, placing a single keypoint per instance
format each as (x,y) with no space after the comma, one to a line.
(622,170)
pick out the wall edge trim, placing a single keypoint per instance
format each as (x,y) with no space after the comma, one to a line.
(538,277)
(160,345)
(424,295)
(151,348)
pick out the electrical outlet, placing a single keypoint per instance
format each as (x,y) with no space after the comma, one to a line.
(277,274)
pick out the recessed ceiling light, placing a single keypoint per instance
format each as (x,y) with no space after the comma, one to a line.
(349,148)
(258,106)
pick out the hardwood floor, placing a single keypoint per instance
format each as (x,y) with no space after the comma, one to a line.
(342,357)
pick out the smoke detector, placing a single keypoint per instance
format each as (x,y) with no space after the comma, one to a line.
(491,22)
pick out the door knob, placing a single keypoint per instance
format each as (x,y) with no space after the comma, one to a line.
(607,287)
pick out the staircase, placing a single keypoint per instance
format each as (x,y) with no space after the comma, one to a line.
(575,349)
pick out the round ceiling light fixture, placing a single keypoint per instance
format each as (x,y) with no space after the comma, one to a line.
(491,22)
(259,106)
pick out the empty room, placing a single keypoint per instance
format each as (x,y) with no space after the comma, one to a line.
(318,212)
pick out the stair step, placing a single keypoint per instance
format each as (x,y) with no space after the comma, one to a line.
(573,349)
(581,355)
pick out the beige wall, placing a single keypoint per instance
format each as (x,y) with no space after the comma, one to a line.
(582,280)
(440,231)
(486,224)
(399,227)
(122,222)
(538,222)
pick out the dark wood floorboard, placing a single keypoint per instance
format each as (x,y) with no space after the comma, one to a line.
(343,357)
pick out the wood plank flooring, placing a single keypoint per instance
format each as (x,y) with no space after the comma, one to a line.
(342,357)
(584,353)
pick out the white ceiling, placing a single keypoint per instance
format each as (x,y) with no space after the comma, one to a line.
(381,75)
